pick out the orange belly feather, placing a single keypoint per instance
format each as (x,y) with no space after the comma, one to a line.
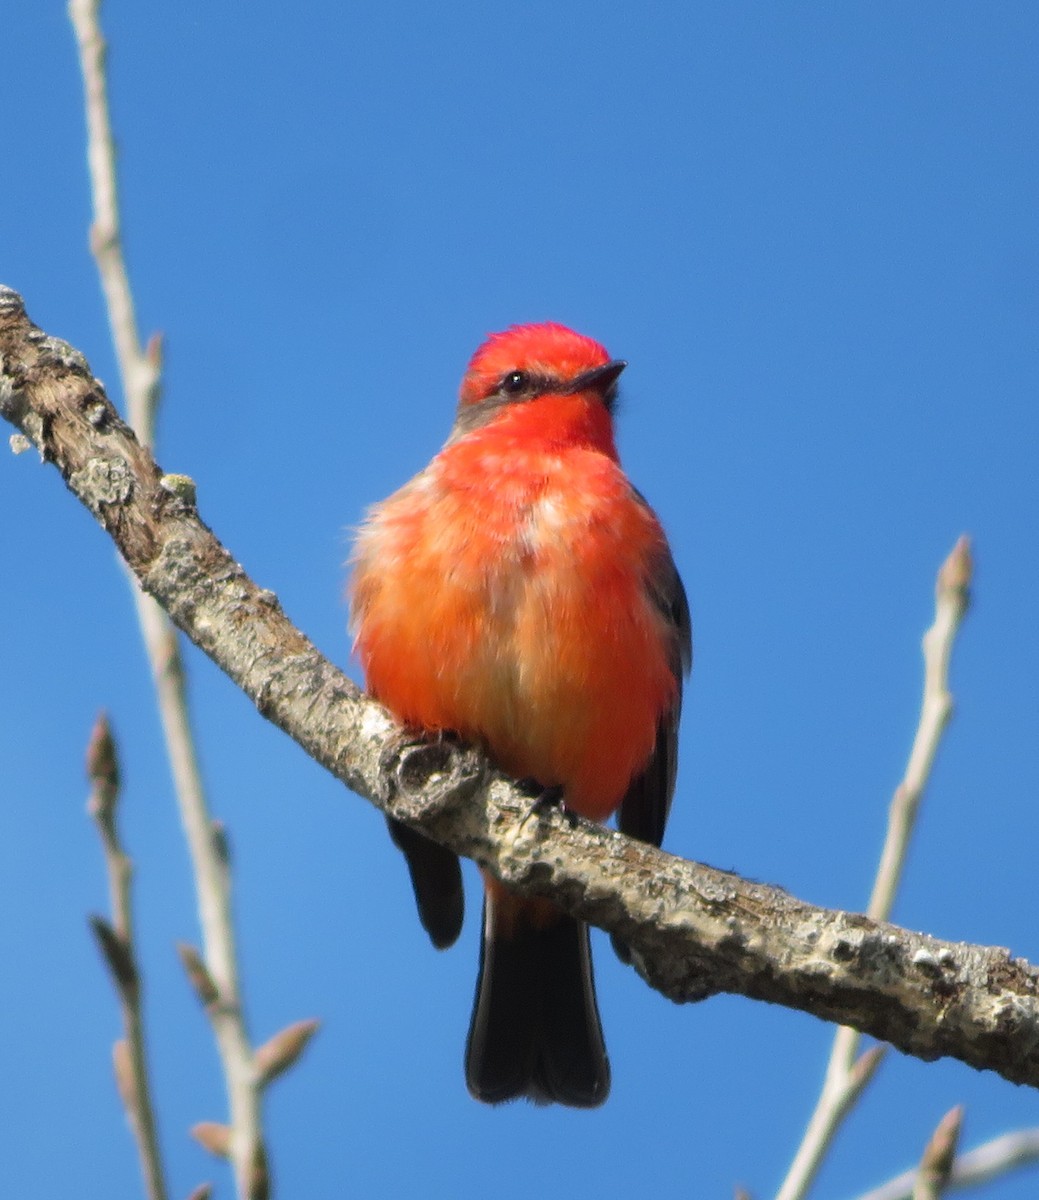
(511,605)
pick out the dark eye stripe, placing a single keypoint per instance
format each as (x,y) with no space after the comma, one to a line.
(525,383)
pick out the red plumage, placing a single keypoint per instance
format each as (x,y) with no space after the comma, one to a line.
(520,592)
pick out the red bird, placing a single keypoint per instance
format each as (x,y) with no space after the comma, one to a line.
(520,592)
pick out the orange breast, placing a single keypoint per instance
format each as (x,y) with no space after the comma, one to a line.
(502,594)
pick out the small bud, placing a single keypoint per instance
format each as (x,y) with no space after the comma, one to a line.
(198,974)
(275,1056)
(203,1192)
(865,1065)
(102,769)
(214,1137)
(117,955)
(940,1154)
(956,573)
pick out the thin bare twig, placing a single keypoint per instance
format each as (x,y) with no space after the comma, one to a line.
(987,1161)
(117,946)
(140,371)
(847,1073)
(952,596)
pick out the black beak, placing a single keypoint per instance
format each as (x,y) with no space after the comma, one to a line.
(598,379)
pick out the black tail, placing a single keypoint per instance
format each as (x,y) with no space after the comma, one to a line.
(535,1030)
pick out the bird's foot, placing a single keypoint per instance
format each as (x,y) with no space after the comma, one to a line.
(545,798)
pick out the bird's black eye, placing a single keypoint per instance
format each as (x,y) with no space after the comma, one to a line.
(515,382)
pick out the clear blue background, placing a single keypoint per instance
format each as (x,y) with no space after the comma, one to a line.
(811,229)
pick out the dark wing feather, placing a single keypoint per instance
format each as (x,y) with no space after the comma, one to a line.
(644,810)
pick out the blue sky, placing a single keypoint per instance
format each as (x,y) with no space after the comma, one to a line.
(811,230)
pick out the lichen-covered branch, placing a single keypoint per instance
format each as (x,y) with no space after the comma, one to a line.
(693,930)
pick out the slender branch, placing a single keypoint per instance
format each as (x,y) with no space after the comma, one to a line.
(997,1157)
(847,1073)
(117,943)
(952,595)
(693,930)
(846,1078)
(213,891)
(140,371)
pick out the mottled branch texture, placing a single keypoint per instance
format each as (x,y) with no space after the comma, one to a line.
(694,930)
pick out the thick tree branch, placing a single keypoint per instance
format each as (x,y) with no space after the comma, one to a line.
(694,930)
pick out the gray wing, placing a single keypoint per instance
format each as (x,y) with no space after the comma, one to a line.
(644,810)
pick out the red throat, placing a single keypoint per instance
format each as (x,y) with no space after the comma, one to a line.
(551,423)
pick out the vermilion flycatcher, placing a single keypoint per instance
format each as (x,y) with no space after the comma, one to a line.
(520,592)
